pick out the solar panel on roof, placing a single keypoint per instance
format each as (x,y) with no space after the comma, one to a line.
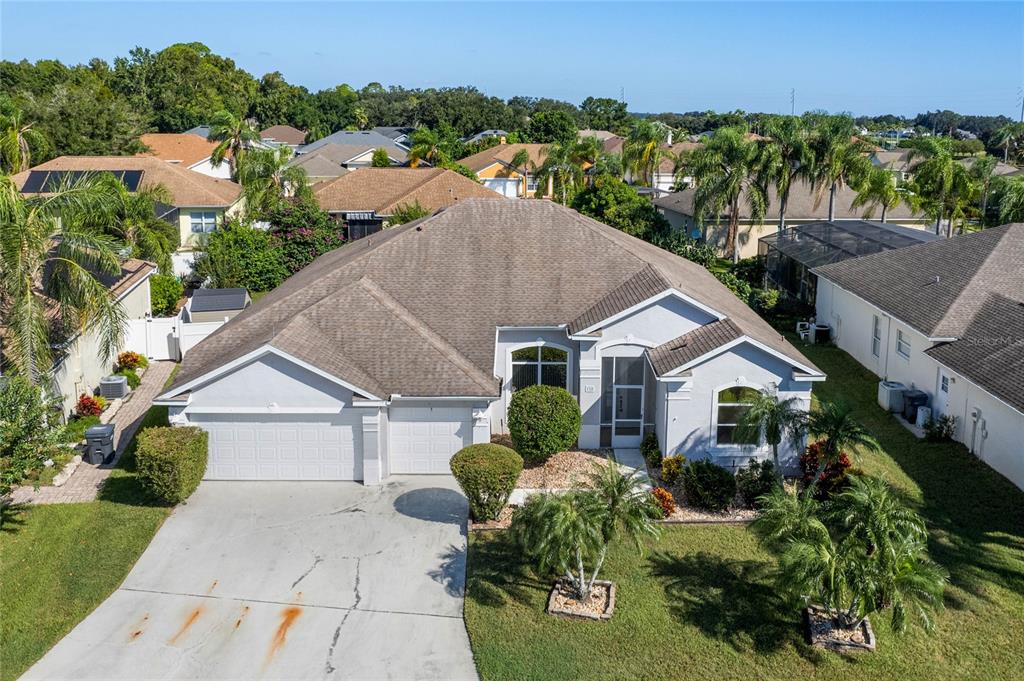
(48,181)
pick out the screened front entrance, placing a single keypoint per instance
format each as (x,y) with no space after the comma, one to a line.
(623,400)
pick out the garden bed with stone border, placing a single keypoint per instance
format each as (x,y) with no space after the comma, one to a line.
(599,606)
(821,631)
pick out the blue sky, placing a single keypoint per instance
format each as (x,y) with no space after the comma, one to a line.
(866,58)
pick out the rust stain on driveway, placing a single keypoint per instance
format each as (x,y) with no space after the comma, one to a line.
(288,617)
(189,621)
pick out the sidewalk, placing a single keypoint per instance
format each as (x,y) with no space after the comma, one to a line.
(87,479)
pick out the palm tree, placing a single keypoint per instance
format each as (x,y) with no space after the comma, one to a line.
(643,149)
(266,178)
(839,159)
(234,135)
(941,183)
(786,156)
(587,152)
(1010,135)
(521,163)
(426,146)
(725,170)
(51,258)
(135,222)
(17,141)
(982,171)
(834,424)
(1011,205)
(563,167)
(772,419)
(879,189)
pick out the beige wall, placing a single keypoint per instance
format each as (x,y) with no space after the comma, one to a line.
(189,241)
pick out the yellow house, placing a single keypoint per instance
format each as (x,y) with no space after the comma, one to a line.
(494,168)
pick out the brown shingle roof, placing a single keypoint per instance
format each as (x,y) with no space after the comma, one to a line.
(285,134)
(177,147)
(421,301)
(383,190)
(133,271)
(503,153)
(688,347)
(187,187)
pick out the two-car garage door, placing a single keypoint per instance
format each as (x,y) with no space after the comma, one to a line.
(423,440)
(278,447)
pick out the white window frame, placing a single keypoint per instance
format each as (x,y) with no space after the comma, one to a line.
(715,404)
(207,221)
(901,343)
(876,336)
(541,363)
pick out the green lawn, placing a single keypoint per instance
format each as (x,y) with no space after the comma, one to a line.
(699,603)
(58,562)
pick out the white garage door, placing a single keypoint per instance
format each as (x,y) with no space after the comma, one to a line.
(423,440)
(283,448)
(509,188)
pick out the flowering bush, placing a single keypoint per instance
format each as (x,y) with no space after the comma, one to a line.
(833,479)
(302,233)
(665,501)
(88,405)
(131,360)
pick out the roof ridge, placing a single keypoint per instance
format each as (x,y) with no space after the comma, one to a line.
(968,288)
(424,330)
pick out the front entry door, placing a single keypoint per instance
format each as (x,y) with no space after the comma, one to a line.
(942,394)
(628,425)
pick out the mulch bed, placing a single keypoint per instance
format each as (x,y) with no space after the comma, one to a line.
(600,605)
(503,521)
(563,470)
(823,632)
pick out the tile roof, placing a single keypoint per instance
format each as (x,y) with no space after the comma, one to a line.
(503,153)
(421,301)
(285,134)
(382,190)
(187,187)
(938,287)
(688,347)
(177,147)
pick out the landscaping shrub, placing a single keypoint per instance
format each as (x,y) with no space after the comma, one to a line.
(834,478)
(239,256)
(88,405)
(26,437)
(651,451)
(750,270)
(665,501)
(763,299)
(302,232)
(741,288)
(672,468)
(503,439)
(487,474)
(131,360)
(74,431)
(708,486)
(543,420)
(941,429)
(164,293)
(133,378)
(754,481)
(171,461)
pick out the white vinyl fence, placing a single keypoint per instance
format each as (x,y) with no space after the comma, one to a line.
(166,337)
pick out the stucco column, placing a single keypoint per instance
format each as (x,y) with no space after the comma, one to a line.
(481,425)
(372,454)
(590,400)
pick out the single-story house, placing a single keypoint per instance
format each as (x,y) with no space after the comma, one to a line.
(790,257)
(399,134)
(1001,169)
(283,134)
(946,318)
(896,161)
(494,168)
(664,180)
(362,139)
(78,365)
(388,355)
(365,200)
(349,156)
(186,150)
(199,203)
(216,304)
(678,209)
(485,134)
(611,142)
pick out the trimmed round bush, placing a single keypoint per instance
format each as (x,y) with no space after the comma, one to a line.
(543,420)
(755,480)
(708,486)
(171,461)
(487,474)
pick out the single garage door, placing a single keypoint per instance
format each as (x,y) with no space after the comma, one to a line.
(262,447)
(423,440)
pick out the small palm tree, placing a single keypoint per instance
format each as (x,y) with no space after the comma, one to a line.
(587,153)
(879,189)
(839,159)
(135,222)
(562,166)
(644,149)
(1011,206)
(833,422)
(234,135)
(266,178)
(17,141)
(426,146)
(1009,136)
(772,419)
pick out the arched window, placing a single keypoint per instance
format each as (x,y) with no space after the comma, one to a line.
(733,403)
(540,365)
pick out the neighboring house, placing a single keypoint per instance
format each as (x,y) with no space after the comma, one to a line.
(664,180)
(365,139)
(319,165)
(387,356)
(897,162)
(790,257)
(485,134)
(803,207)
(364,201)
(216,304)
(399,135)
(186,150)
(284,134)
(198,202)
(79,365)
(352,156)
(1001,169)
(946,318)
(611,142)
(494,168)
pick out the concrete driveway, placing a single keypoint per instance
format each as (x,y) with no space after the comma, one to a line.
(267,580)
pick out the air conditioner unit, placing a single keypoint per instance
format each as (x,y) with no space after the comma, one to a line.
(890,395)
(114,387)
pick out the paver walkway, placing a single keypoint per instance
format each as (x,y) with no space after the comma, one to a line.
(86,481)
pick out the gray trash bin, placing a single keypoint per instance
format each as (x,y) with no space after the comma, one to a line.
(99,443)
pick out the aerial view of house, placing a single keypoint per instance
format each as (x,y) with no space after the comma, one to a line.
(476,342)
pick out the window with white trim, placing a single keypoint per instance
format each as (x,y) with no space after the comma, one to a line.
(540,365)
(902,345)
(733,403)
(203,221)
(876,336)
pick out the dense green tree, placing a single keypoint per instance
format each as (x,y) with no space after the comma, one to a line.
(336,108)
(604,113)
(302,232)
(613,202)
(552,127)
(280,103)
(239,256)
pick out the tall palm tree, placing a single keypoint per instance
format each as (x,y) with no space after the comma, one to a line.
(1011,205)
(839,159)
(941,183)
(521,163)
(135,222)
(266,178)
(772,419)
(1009,136)
(562,165)
(833,422)
(234,135)
(426,146)
(17,142)
(644,149)
(785,157)
(588,152)
(725,170)
(981,172)
(878,190)
(51,258)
